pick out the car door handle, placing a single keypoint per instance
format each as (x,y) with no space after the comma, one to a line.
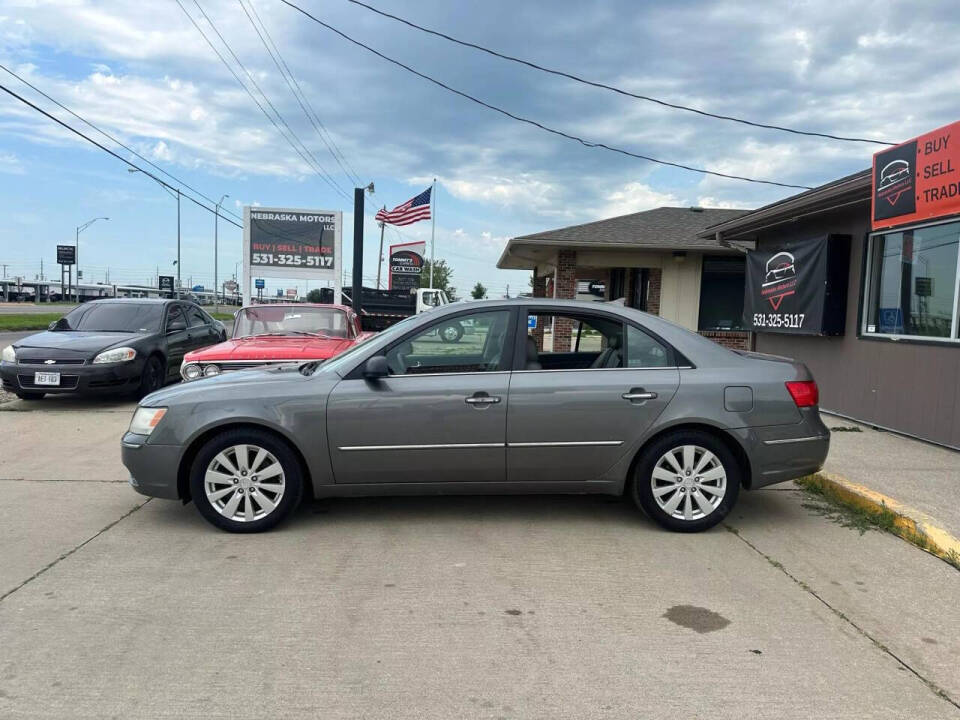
(482,399)
(639,394)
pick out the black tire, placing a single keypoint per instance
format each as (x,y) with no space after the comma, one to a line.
(30,395)
(281,452)
(152,377)
(642,489)
(451,333)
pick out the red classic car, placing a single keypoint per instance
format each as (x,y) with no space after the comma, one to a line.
(281,333)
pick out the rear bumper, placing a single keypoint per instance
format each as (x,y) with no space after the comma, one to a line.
(74,379)
(785,452)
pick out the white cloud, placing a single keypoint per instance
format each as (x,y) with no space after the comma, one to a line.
(634,197)
(10,164)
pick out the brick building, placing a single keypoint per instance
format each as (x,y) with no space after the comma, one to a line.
(653,260)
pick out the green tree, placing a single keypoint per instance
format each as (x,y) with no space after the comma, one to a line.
(479,292)
(314,296)
(442,275)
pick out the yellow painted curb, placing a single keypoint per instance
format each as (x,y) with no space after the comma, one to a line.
(910,524)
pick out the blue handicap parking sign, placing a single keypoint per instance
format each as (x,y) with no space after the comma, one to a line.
(532,322)
(259,284)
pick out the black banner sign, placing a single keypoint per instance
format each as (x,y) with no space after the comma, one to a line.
(786,287)
(66,254)
(165,283)
(292,240)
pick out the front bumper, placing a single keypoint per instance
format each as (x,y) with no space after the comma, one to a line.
(74,379)
(153,468)
(785,452)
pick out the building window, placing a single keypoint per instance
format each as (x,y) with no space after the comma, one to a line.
(721,293)
(912,282)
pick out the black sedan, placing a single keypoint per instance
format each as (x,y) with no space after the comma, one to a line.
(109,346)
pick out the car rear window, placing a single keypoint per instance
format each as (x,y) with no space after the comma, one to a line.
(116,317)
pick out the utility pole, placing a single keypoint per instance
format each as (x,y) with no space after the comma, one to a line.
(216,288)
(433,227)
(380,256)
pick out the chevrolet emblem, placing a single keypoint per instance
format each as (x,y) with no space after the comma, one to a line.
(49,362)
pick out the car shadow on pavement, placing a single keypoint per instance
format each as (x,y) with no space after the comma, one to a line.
(72,403)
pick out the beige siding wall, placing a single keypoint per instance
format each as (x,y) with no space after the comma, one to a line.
(680,290)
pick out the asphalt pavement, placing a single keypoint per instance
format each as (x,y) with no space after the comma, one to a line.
(516,607)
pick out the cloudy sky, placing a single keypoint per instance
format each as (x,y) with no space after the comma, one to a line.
(142,72)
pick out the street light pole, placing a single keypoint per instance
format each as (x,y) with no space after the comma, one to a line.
(216,287)
(76,249)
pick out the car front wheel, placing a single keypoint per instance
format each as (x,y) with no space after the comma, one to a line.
(245,480)
(687,481)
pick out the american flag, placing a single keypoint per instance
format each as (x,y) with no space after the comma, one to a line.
(411,211)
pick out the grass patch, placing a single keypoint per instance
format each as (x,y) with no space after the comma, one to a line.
(823,502)
(222,316)
(28,321)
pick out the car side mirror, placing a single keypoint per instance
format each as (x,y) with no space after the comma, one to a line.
(60,324)
(52,326)
(376,367)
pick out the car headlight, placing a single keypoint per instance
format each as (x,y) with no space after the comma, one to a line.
(211,370)
(9,354)
(121,354)
(191,371)
(145,419)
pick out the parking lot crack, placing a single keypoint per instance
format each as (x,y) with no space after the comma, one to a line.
(74,549)
(936,689)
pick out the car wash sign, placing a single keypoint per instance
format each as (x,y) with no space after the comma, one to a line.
(917,180)
(406,265)
(785,287)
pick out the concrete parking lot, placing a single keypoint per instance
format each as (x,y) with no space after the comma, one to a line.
(537,607)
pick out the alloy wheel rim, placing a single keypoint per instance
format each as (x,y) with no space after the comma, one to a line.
(688,482)
(450,332)
(244,482)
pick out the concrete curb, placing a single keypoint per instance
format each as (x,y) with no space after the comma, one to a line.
(907,522)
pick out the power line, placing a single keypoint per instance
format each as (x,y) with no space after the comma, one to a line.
(528,121)
(317,166)
(298,93)
(619,91)
(314,165)
(111,137)
(111,152)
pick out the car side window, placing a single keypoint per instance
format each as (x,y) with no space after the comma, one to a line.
(466,343)
(197,317)
(645,352)
(573,342)
(176,317)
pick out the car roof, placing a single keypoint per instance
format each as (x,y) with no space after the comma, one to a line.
(142,301)
(299,305)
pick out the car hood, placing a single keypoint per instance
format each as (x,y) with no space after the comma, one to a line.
(76,341)
(255,382)
(271,348)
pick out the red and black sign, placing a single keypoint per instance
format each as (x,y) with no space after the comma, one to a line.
(406,265)
(795,286)
(917,180)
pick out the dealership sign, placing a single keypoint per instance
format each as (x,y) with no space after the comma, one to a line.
(406,265)
(66,254)
(291,244)
(917,180)
(795,286)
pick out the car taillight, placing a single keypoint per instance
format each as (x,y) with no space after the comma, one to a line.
(804,393)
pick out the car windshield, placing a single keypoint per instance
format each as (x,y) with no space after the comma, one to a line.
(290,320)
(115,317)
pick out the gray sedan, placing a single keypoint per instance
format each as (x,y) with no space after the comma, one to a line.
(540,396)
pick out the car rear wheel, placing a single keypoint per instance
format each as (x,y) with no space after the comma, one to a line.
(152,377)
(451,333)
(245,480)
(687,481)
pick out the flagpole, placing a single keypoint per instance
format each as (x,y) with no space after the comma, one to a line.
(433,227)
